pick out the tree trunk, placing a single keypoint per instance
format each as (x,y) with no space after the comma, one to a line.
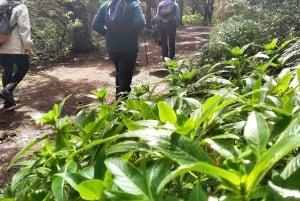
(81,34)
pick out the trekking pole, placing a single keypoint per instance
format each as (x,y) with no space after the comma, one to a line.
(147,62)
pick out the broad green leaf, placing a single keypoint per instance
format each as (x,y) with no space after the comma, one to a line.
(127,177)
(205,168)
(120,196)
(236,51)
(283,84)
(58,191)
(256,95)
(292,129)
(292,167)
(198,194)
(91,189)
(131,125)
(122,147)
(73,179)
(92,128)
(222,150)
(272,45)
(256,131)
(155,173)
(269,158)
(285,193)
(179,148)
(166,113)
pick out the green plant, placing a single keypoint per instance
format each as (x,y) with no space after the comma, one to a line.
(238,142)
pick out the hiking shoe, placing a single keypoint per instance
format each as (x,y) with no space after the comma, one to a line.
(7,96)
(8,106)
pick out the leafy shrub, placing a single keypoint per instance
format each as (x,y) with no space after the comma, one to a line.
(192,19)
(240,142)
(235,32)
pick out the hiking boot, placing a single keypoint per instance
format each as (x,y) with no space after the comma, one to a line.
(7,96)
(8,106)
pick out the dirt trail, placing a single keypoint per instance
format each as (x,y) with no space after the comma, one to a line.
(45,86)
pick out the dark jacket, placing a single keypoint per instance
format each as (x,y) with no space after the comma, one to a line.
(134,21)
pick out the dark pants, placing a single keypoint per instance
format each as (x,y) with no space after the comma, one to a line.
(124,63)
(168,34)
(15,68)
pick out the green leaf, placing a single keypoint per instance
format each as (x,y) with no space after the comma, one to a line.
(205,168)
(218,147)
(122,147)
(292,167)
(272,45)
(292,129)
(166,113)
(58,191)
(118,196)
(179,148)
(155,173)
(256,131)
(127,177)
(256,95)
(269,158)
(198,194)
(91,189)
(73,179)
(285,193)
(23,151)
(283,83)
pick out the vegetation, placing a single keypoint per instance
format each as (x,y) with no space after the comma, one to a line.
(207,137)
(226,130)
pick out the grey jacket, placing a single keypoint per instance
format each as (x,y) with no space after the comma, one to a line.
(21,34)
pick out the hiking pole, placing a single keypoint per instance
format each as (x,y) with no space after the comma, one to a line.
(147,62)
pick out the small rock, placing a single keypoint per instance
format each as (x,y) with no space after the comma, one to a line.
(2,135)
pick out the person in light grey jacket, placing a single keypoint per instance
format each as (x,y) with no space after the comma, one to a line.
(15,53)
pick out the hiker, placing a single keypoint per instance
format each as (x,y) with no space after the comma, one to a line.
(121,30)
(15,52)
(168,18)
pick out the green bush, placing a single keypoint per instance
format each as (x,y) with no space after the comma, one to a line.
(192,19)
(234,32)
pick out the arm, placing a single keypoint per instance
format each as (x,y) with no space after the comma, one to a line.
(139,21)
(177,13)
(98,23)
(23,22)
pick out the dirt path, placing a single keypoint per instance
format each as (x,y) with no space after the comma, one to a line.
(44,87)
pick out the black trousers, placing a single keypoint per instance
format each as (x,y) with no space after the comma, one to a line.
(168,34)
(15,67)
(124,63)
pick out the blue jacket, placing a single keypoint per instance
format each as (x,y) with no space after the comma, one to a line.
(126,41)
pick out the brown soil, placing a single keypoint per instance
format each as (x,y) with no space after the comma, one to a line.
(45,86)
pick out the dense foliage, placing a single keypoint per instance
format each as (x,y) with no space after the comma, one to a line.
(220,136)
(253,22)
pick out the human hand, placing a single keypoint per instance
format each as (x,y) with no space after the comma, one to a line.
(29,52)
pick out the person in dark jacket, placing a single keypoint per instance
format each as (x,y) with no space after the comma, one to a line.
(122,46)
(168,24)
(15,53)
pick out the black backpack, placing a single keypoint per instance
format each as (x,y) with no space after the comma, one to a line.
(5,15)
(114,15)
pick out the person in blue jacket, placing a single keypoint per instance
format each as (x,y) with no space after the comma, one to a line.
(122,46)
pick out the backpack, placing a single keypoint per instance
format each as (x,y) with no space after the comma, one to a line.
(114,15)
(5,15)
(167,13)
